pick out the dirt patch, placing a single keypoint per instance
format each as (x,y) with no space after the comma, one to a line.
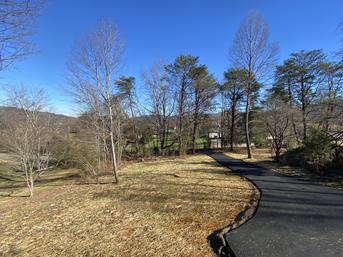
(161,208)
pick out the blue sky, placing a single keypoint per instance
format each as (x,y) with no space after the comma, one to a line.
(155,30)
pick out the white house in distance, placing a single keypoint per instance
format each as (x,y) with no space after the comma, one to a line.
(214,140)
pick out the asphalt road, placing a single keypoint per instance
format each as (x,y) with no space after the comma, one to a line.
(295,217)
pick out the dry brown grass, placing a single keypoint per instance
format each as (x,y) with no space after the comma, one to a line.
(161,208)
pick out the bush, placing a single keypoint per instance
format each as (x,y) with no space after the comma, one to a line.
(261,142)
(317,153)
(295,156)
(319,150)
(338,157)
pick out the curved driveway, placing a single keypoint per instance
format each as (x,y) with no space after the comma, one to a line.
(295,217)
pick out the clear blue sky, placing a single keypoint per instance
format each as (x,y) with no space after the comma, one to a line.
(161,29)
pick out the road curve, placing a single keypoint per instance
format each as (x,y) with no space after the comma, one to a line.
(295,217)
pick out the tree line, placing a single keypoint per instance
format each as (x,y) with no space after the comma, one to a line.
(182,102)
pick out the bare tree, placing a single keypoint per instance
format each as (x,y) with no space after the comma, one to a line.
(277,121)
(16,21)
(93,69)
(28,135)
(160,101)
(252,52)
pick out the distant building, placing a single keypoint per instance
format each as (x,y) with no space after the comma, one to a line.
(214,140)
(214,135)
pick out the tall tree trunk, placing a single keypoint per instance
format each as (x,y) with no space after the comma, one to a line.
(232,129)
(329,110)
(304,123)
(195,119)
(228,131)
(195,128)
(182,99)
(247,107)
(114,159)
(98,151)
(164,132)
(290,99)
(247,131)
(31,183)
(119,152)
(277,152)
(180,136)
(28,177)
(221,132)
(110,113)
(303,110)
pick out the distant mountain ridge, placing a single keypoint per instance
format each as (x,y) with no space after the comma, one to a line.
(7,110)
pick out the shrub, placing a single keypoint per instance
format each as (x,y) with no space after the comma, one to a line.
(261,142)
(295,156)
(319,150)
(317,153)
(338,157)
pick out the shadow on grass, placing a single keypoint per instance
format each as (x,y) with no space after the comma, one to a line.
(165,195)
(10,186)
(174,191)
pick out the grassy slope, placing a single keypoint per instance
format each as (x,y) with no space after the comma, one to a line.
(161,208)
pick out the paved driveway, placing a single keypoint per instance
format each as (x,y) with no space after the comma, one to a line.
(295,217)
